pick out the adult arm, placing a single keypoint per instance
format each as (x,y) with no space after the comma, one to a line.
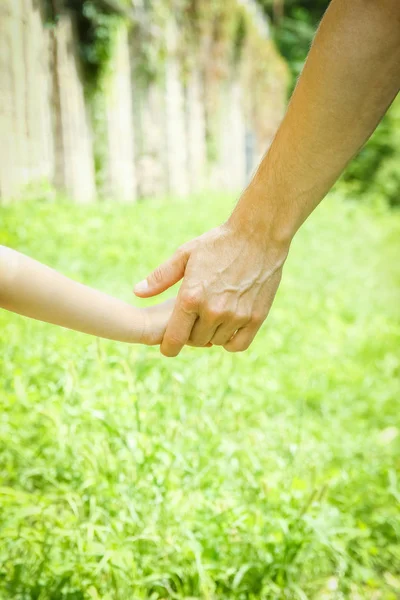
(231,273)
(32,289)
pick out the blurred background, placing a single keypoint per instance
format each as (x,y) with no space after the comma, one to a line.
(127,128)
(128,99)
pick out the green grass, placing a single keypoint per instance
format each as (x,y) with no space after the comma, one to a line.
(272,474)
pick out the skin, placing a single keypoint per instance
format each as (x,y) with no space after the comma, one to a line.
(231,274)
(33,290)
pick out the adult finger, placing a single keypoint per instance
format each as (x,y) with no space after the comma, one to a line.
(243,338)
(189,343)
(227,330)
(180,324)
(165,276)
(203,330)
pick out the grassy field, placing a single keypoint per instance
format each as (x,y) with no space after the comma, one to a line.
(272,474)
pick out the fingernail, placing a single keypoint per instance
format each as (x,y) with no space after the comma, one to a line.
(142,286)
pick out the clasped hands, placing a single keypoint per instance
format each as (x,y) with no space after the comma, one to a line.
(230,278)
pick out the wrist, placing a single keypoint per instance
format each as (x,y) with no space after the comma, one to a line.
(259,216)
(136,320)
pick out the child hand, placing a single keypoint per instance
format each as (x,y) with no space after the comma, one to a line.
(155,320)
(155,323)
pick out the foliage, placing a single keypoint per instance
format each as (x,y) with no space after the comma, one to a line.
(294,37)
(97,28)
(376,170)
(96,25)
(271,474)
(294,32)
(231,44)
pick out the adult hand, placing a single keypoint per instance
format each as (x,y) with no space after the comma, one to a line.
(231,274)
(230,278)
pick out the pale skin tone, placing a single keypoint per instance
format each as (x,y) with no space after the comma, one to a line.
(33,290)
(231,274)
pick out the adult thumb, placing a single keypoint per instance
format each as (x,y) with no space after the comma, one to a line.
(165,276)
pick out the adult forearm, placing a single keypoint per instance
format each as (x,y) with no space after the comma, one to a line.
(33,290)
(231,274)
(351,76)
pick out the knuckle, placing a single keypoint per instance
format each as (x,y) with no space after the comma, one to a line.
(180,253)
(224,313)
(186,248)
(190,299)
(230,315)
(214,313)
(173,341)
(157,275)
(257,318)
(243,317)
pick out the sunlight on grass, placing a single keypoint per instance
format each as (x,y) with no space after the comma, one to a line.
(267,475)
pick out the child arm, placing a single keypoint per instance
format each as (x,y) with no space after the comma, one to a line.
(34,290)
